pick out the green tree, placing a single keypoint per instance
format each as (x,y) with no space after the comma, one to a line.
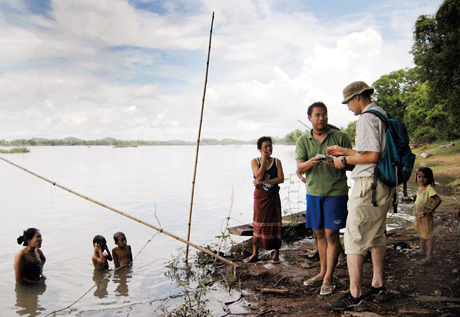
(392,91)
(291,138)
(437,53)
(350,130)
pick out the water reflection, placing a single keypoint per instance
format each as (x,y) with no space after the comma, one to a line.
(100,277)
(27,299)
(122,277)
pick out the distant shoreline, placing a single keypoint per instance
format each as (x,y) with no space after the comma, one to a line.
(123,143)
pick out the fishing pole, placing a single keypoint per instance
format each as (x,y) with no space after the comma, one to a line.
(126,215)
(198,140)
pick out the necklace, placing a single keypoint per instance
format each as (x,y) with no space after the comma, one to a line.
(318,133)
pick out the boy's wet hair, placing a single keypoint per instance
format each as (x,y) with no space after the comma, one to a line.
(262,140)
(99,239)
(117,235)
(428,174)
(26,236)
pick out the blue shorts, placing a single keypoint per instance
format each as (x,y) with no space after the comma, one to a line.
(328,212)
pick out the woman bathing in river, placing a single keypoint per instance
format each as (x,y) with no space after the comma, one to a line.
(268,173)
(29,262)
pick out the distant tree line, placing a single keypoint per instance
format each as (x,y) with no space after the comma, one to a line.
(114,142)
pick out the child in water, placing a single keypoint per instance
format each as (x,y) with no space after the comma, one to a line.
(122,255)
(101,253)
(425,204)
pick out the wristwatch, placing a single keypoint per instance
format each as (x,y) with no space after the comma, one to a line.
(344,160)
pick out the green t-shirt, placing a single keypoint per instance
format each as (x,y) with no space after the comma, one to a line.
(323,180)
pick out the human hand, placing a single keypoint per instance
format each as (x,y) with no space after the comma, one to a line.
(426,210)
(97,247)
(338,163)
(256,182)
(265,155)
(315,161)
(335,150)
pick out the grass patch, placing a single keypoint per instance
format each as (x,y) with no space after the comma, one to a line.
(16,150)
(444,162)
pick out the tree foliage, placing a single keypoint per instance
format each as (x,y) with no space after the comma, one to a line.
(350,130)
(291,138)
(436,52)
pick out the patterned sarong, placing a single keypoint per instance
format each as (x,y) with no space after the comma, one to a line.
(267,219)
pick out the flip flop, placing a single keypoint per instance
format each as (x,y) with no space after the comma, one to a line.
(250,260)
(313,282)
(425,262)
(327,290)
(313,256)
(276,261)
(340,262)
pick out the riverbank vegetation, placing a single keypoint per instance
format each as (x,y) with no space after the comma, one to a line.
(16,150)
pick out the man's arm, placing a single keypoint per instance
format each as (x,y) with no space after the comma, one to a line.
(362,158)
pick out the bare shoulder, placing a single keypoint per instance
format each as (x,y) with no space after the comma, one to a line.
(19,257)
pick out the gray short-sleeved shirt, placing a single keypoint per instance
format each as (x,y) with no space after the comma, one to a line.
(370,137)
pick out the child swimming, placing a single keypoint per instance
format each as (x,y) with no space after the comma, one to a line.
(101,253)
(425,204)
(122,255)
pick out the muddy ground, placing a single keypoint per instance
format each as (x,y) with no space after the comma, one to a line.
(415,290)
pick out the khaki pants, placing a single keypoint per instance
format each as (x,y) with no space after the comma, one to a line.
(366,224)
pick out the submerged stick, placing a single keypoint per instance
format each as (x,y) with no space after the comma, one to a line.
(198,140)
(125,214)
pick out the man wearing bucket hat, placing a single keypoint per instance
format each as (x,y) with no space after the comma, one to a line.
(366,223)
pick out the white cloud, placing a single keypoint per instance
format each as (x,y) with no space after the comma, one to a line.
(93,69)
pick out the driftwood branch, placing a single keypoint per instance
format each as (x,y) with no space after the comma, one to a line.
(276,291)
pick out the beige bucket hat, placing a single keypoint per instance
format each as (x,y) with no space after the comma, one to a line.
(355,88)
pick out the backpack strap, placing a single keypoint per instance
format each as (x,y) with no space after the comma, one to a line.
(380,115)
(384,119)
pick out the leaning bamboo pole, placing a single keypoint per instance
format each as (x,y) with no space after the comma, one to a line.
(125,214)
(198,140)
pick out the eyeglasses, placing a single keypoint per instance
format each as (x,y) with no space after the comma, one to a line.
(318,115)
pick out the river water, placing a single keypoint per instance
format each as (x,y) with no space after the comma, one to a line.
(150,183)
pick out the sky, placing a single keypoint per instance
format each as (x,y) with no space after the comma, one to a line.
(135,69)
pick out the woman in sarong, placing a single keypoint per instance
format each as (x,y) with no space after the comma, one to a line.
(268,173)
(28,263)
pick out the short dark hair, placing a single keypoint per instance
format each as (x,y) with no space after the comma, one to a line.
(318,104)
(262,140)
(428,174)
(367,94)
(118,235)
(26,236)
(99,239)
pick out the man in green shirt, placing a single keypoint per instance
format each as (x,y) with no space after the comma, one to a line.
(327,192)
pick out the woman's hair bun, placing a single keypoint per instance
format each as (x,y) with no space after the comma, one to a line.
(20,239)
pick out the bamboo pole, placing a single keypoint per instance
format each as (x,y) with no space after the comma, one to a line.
(126,215)
(329,125)
(198,140)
